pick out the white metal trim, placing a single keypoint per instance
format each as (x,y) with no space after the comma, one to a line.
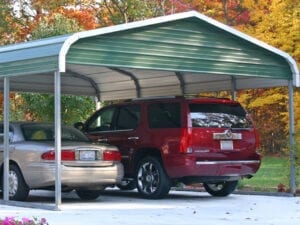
(6,139)
(57,122)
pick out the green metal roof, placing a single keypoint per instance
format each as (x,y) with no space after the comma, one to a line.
(183,53)
(187,45)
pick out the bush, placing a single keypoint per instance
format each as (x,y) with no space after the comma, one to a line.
(24,221)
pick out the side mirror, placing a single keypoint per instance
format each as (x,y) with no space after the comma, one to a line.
(79,126)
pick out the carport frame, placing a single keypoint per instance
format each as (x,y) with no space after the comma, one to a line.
(62,68)
(57,124)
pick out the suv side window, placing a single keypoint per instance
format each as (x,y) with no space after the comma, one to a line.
(164,115)
(102,121)
(129,117)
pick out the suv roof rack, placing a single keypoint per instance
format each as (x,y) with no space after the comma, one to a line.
(156,97)
(205,96)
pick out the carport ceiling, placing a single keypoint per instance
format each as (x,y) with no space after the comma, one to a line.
(184,53)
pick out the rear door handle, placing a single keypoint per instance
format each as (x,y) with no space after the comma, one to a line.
(133,138)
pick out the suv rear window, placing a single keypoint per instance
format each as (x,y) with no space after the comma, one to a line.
(164,115)
(219,115)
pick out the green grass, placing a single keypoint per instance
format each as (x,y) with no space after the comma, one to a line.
(273,171)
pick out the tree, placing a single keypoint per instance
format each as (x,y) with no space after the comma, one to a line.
(268,108)
(230,12)
(53,25)
(40,107)
(277,23)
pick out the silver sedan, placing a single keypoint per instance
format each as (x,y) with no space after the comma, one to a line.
(86,167)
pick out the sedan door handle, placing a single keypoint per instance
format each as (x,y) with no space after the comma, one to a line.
(133,138)
(102,139)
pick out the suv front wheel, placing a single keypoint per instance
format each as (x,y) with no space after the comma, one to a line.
(221,189)
(152,180)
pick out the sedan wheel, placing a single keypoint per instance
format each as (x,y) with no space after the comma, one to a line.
(18,190)
(152,181)
(221,189)
(86,194)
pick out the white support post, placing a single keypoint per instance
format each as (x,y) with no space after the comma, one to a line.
(293,184)
(6,139)
(57,97)
(233,88)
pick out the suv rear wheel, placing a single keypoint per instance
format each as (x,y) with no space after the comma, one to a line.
(220,189)
(152,180)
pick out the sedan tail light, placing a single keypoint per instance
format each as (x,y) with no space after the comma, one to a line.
(66,155)
(109,155)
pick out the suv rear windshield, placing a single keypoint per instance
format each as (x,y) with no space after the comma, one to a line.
(219,115)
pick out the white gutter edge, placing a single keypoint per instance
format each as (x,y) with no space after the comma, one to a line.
(157,20)
(33,43)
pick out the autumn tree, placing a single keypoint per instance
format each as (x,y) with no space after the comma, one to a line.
(230,12)
(49,20)
(41,106)
(277,23)
(268,108)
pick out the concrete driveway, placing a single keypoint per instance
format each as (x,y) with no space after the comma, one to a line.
(181,207)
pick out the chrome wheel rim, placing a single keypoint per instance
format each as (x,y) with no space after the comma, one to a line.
(148,178)
(13,183)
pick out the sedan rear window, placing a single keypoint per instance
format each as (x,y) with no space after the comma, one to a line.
(219,116)
(44,132)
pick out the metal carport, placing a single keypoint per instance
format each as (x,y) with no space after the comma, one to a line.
(184,53)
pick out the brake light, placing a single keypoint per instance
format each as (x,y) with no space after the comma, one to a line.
(257,140)
(66,155)
(109,155)
(186,141)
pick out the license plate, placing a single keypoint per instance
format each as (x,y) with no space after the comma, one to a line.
(87,155)
(226,145)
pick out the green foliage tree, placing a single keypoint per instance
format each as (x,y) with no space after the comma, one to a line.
(40,107)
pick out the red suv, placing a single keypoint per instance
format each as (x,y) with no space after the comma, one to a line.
(168,140)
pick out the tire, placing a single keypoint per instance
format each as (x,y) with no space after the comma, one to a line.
(152,180)
(221,189)
(18,189)
(126,185)
(86,194)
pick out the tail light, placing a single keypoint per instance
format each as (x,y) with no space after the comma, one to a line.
(66,155)
(186,141)
(70,155)
(109,155)
(257,140)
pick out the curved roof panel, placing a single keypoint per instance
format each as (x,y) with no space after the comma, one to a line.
(183,53)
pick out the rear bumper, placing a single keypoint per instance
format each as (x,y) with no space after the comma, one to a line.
(43,175)
(190,167)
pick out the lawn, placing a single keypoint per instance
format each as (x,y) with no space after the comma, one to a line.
(273,172)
